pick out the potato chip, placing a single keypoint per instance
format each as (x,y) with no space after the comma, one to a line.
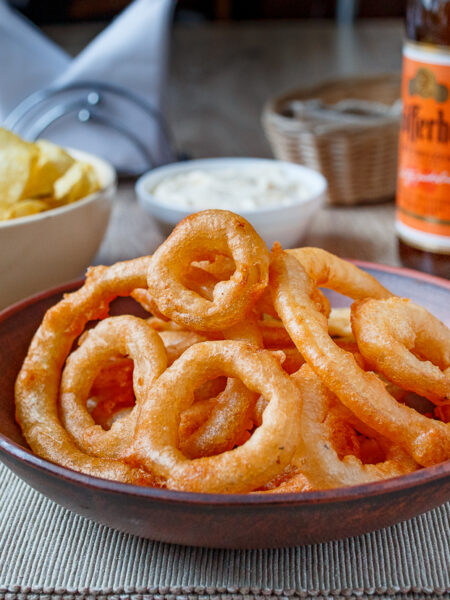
(51,164)
(36,177)
(4,211)
(23,208)
(78,181)
(17,159)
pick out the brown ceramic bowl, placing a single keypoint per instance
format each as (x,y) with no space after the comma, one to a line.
(227,521)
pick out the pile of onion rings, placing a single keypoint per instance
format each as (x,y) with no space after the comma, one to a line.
(240,377)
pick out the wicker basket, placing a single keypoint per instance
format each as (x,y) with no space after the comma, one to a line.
(359,160)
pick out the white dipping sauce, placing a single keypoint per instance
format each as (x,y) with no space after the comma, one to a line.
(247,187)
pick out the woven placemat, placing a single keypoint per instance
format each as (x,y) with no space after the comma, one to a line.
(48,552)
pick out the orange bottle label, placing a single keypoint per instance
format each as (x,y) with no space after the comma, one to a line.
(423,186)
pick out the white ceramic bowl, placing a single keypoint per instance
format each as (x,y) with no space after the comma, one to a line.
(286,224)
(55,246)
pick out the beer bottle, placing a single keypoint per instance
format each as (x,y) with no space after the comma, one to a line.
(423,187)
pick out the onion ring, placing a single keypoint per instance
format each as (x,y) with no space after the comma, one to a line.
(112,392)
(264,306)
(195,278)
(405,343)
(231,414)
(163,325)
(443,412)
(176,342)
(274,334)
(38,381)
(206,414)
(318,458)
(229,417)
(195,415)
(242,469)
(293,360)
(126,336)
(427,440)
(330,271)
(290,481)
(144,298)
(210,389)
(112,389)
(222,267)
(201,236)
(246,331)
(199,281)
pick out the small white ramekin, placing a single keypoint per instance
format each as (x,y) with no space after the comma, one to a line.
(286,224)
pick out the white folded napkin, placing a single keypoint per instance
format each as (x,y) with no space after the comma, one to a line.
(132,53)
(29,59)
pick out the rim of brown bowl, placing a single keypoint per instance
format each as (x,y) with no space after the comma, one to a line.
(344,494)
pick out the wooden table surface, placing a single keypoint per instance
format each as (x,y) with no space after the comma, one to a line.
(220,77)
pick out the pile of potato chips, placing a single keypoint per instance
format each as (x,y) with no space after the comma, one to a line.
(35,177)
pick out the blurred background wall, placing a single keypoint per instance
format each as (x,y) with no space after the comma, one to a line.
(54,11)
